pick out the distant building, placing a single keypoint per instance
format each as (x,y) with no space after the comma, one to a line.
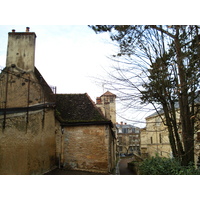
(128,138)
(106,102)
(155,136)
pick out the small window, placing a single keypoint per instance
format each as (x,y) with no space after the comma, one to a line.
(151,140)
(160,137)
(124,130)
(120,140)
(111,99)
(198,136)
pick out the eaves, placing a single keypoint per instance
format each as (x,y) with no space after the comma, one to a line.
(89,123)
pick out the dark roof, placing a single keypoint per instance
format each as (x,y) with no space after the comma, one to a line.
(79,109)
(49,95)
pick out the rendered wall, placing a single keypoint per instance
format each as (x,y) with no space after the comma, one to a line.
(21,50)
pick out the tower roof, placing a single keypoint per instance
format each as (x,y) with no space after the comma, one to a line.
(108,94)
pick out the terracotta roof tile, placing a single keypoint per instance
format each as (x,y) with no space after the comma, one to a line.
(108,94)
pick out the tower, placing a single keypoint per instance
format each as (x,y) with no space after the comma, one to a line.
(21,50)
(108,105)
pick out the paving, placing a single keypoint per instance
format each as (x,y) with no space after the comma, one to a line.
(123,167)
(58,171)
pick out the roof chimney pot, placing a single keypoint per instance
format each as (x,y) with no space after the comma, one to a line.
(13,30)
(27,29)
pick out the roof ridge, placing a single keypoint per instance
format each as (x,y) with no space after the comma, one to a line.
(108,93)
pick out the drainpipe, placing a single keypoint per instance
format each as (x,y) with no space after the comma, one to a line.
(61,157)
(6,98)
(28,97)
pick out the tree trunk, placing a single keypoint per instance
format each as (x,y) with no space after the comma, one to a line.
(186,126)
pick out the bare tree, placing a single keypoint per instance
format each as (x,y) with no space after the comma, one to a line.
(159,65)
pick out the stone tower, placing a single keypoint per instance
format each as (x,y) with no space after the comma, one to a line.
(21,50)
(108,105)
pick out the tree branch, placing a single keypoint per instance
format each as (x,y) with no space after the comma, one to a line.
(162,30)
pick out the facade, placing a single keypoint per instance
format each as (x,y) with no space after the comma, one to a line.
(41,130)
(154,138)
(128,137)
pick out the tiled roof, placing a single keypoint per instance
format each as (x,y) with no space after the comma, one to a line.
(77,108)
(49,95)
(108,94)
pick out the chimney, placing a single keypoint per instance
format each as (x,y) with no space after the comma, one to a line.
(21,50)
(98,100)
(27,29)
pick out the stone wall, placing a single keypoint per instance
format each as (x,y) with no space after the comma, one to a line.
(19,90)
(27,148)
(87,148)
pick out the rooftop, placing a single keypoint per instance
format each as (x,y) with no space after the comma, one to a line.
(108,94)
(78,108)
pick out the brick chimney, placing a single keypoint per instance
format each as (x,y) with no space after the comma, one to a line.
(21,50)
(98,100)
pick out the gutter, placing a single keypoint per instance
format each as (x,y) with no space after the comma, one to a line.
(86,123)
(24,109)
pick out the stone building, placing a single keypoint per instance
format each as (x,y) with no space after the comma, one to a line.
(87,139)
(106,102)
(128,137)
(27,130)
(41,130)
(155,136)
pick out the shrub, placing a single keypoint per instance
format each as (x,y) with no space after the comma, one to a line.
(166,166)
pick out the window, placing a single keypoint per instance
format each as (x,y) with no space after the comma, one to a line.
(120,148)
(111,99)
(158,121)
(130,139)
(124,130)
(151,140)
(131,149)
(120,140)
(160,137)
(105,99)
(198,136)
